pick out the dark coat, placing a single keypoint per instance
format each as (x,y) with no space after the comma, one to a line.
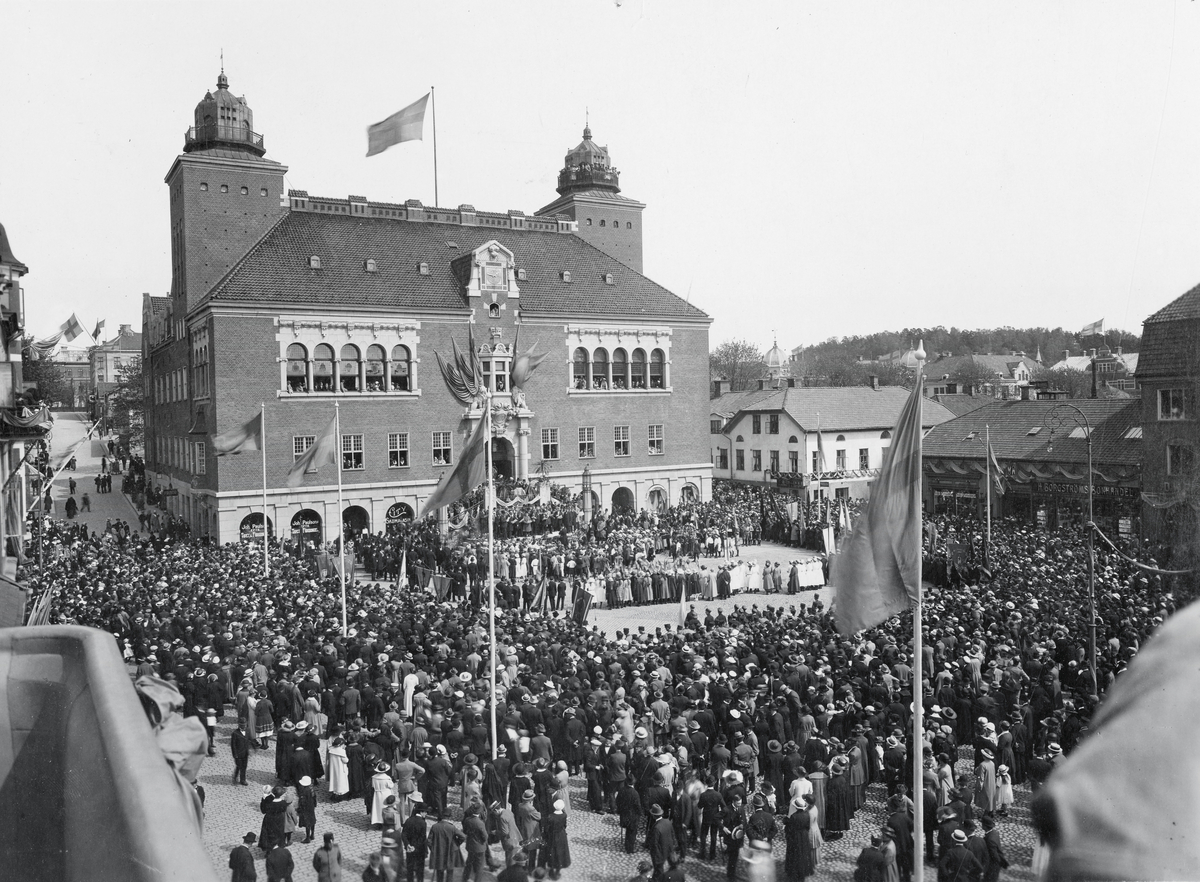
(239,744)
(558,849)
(280,865)
(957,864)
(839,805)
(241,861)
(444,846)
(662,842)
(798,862)
(629,807)
(274,812)
(413,838)
(871,865)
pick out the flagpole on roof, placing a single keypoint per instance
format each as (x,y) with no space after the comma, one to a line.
(433,110)
(490,501)
(337,461)
(262,428)
(918,653)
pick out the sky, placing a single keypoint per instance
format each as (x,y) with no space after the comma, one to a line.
(810,170)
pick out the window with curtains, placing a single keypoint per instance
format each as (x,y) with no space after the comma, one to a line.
(398,450)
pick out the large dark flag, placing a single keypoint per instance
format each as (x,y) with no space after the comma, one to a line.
(878,572)
(583,606)
(467,474)
(240,439)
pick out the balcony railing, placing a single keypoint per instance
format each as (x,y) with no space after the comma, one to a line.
(199,137)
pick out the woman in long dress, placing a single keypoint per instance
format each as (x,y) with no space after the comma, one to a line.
(562,791)
(338,770)
(798,861)
(554,832)
(839,802)
(383,787)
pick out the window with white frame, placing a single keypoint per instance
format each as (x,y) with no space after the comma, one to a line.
(549,443)
(201,458)
(442,452)
(864,457)
(587,442)
(352,453)
(774,460)
(621,440)
(656,439)
(756,460)
(300,444)
(397,450)
(1181,459)
(840,457)
(1171,404)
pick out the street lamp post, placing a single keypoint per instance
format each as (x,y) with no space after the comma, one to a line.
(1059,418)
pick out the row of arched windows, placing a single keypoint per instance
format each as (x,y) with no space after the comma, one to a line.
(596,370)
(352,370)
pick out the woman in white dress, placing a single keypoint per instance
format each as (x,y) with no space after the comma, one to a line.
(337,768)
(383,787)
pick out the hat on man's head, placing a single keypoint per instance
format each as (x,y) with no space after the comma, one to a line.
(249,838)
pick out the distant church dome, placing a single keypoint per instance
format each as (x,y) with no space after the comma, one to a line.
(909,359)
(776,361)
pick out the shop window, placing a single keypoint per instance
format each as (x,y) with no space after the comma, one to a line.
(348,369)
(297,368)
(323,368)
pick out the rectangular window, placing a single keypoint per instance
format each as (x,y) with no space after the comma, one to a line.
(1181,460)
(756,460)
(621,440)
(773,424)
(775,460)
(793,461)
(756,424)
(442,453)
(549,443)
(740,458)
(1170,404)
(656,439)
(864,457)
(301,443)
(841,458)
(723,459)
(816,461)
(841,493)
(714,427)
(397,450)
(352,453)
(201,458)
(587,442)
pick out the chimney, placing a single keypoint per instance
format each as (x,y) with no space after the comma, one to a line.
(126,329)
(1118,351)
(1029,393)
(721,387)
(874,380)
(762,384)
(1066,354)
(1092,353)
(791,382)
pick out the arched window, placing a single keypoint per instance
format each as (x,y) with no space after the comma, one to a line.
(840,438)
(579,368)
(323,368)
(885,434)
(657,375)
(793,440)
(400,369)
(297,368)
(348,369)
(600,368)
(638,373)
(620,369)
(375,368)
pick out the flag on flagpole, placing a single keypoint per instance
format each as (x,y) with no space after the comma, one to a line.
(71,328)
(405,125)
(96,333)
(583,606)
(402,577)
(321,453)
(1092,329)
(683,596)
(467,474)
(878,572)
(820,453)
(997,472)
(240,439)
(539,596)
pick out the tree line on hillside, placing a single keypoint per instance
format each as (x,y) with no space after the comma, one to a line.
(852,361)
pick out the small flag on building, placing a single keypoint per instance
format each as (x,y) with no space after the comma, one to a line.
(405,125)
(1093,329)
(240,439)
(322,453)
(71,328)
(96,333)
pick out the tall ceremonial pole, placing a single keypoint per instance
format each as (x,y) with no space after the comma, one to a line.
(987,549)
(337,460)
(918,665)
(433,113)
(262,427)
(491,508)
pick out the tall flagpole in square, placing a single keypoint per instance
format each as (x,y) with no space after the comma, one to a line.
(337,459)
(918,658)
(491,508)
(262,428)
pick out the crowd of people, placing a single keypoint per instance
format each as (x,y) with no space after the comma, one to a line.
(745,737)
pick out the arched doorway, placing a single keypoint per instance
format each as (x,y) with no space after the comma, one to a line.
(251,529)
(355,521)
(306,527)
(398,514)
(688,495)
(504,458)
(622,500)
(656,499)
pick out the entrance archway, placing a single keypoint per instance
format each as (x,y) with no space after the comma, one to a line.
(251,529)
(688,495)
(656,499)
(306,527)
(355,521)
(622,500)
(504,458)
(398,514)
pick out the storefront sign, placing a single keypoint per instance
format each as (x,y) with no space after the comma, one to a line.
(1100,491)
(397,513)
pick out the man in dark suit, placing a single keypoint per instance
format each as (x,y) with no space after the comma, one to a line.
(279,864)
(413,841)
(958,864)
(871,862)
(997,860)
(239,746)
(241,861)
(662,841)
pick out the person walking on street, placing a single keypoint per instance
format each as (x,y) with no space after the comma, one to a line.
(327,861)
(241,861)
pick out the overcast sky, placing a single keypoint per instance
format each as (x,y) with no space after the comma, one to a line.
(809,170)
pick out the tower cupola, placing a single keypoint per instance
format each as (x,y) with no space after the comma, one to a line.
(223,120)
(588,167)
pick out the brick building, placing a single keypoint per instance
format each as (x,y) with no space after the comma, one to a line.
(301,303)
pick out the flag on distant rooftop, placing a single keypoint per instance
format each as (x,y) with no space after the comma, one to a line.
(405,125)
(1093,329)
(878,572)
(96,333)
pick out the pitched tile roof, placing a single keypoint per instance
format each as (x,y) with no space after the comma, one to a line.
(960,404)
(160,305)
(1171,339)
(1000,365)
(730,403)
(845,408)
(1185,306)
(1084,362)
(277,269)
(1010,424)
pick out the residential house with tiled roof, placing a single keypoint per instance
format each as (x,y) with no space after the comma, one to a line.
(777,438)
(1169,375)
(999,376)
(1042,449)
(1110,370)
(299,304)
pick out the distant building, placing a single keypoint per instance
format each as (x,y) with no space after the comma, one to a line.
(107,359)
(72,360)
(770,437)
(999,376)
(1108,369)
(1169,374)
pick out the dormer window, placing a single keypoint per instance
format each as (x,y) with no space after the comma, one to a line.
(521,275)
(314,262)
(608,278)
(423,268)
(370,266)
(566,275)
